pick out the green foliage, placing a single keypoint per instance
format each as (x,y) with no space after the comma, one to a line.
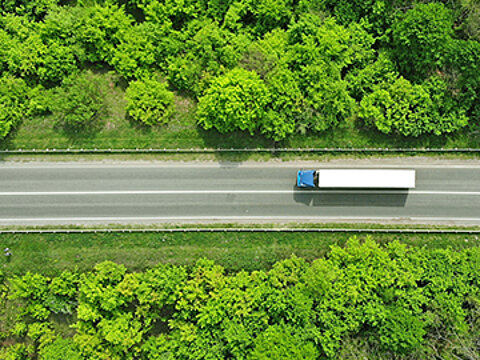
(316,61)
(327,98)
(15,103)
(470,16)
(463,75)
(186,74)
(33,56)
(101,30)
(411,110)
(33,287)
(270,14)
(106,323)
(149,101)
(281,342)
(209,51)
(395,301)
(315,40)
(136,51)
(60,349)
(420,37)
(43,296)
(79,103)
(349,11)
(61,27)
(286,104)
(14,352)
(265,54)
(176,13)
(448,112)
(379,74)
(235,101)
(34,9)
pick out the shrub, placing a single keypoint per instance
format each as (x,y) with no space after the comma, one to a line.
(412,110)
(234,101)
(60,349)
(14,103)
(149,101)
(420,37)
(79,103)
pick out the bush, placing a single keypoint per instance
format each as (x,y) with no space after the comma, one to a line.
(35,9)
(79,103)
(60,349)
(149,101)
(102,29)
(237,100)
(412,110)
(135,54)
(32,56)
(420,37)
(14,103)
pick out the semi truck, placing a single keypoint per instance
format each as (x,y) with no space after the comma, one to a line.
(357,178)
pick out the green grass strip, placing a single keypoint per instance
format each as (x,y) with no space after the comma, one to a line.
(52,253)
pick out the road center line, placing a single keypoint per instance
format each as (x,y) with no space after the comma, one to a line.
(213,192)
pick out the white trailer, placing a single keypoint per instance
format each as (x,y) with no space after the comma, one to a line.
(366,178)
(357,178)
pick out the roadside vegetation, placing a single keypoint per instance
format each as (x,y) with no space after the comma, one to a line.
(367,297)
(50,254)
(146,73)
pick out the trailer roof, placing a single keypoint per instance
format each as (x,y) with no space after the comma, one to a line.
(366,178)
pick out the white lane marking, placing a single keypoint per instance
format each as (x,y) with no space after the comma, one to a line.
(201,192)
(213,217)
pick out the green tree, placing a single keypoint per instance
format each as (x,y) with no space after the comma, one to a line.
(35,9)
(135,54)
(420,37)
(409,110)
(79,103)
(270,14)
(314,40)
(470,17)
(283,343)
(362,298)
(15,103)
(379,74)
(14,352)
(267,53)
(34,288)
(447,112)
(35,58)
(286,105)
(176,13)
(462,74)
(60,349)
(328,102)
(101,30)
(149,101)
(62,26)
(235,101)
(209,51)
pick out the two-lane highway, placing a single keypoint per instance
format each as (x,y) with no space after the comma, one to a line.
(58,193)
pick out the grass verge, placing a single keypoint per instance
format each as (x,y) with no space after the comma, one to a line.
(50,254)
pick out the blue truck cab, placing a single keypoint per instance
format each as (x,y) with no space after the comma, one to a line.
(306,178)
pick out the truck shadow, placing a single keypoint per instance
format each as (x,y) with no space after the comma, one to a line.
(351,198)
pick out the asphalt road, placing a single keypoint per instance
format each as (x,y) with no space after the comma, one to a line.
(56,193)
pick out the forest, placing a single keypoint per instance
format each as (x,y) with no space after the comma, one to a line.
(360,301)
(271,69)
